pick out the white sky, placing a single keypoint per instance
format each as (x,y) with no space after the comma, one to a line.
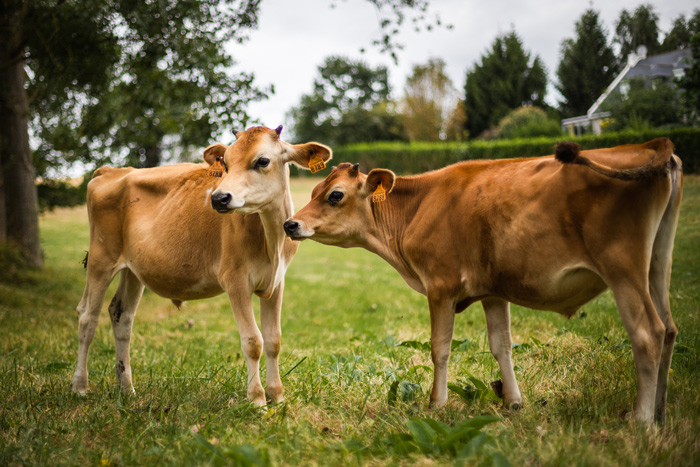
(295,36)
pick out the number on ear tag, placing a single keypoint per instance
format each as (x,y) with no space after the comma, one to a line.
(379,194)
(216,169)
(316,164)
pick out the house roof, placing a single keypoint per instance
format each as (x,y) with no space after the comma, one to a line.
(639,65)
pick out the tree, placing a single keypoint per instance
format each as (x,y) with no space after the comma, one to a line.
(643,107)
(429,97)
(80,57)
(393,13)
(682,31)
(636,29)
(170,81)
(587,65)
(456,124)
(118,79)
(505,79)
(690,83)
(345,92)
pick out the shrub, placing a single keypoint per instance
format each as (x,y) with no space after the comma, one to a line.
(528,122)
(412,158)
(59,193)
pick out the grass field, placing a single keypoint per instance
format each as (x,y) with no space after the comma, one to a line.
(354,395)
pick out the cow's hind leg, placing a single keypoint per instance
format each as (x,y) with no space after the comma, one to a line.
(270,312)
(89,308)
(646,332)
(659,283)
(498,322)
(122,310)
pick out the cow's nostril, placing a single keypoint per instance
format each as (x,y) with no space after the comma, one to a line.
(290,227)
(220,201)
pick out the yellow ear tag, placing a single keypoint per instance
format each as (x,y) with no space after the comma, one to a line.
(316,164)
(379,194)
(216,169)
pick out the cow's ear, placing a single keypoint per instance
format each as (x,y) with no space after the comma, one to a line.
(214,152)
(379,176)
(304,154)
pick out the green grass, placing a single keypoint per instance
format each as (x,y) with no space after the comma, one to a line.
(344,313)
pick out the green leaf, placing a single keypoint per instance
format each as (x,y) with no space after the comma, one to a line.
(478,384)
(440,428)
(57,366)
(459,345)
(404,391)
(422,346)
(499,460)
(474,445)
(422,431)
(467,394)
(479,421)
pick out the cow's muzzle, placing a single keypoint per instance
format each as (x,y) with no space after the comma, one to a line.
(291,228)
(220,202)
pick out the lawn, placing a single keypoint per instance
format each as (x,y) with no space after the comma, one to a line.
(356,369)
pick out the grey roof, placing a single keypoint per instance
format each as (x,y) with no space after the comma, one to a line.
(658,66)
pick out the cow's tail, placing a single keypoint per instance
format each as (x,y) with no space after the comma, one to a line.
(568,152)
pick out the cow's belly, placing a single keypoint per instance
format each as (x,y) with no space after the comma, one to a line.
(176,281)
(564,292)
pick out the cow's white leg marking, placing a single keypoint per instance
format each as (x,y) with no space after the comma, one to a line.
(122,310)
(498,323)
(88,315)
(251,340)
(646,333)
(270,311)
(442,320)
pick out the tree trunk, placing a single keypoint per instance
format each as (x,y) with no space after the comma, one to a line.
(21,212)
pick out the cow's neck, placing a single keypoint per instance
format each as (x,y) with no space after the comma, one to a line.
(272,220)
(391,219)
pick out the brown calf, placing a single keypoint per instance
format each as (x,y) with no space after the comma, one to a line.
(549,233)
(158,229)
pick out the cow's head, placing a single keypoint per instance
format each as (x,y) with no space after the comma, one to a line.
(340,210)
(257,174)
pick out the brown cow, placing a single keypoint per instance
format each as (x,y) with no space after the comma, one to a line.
(157,228)
(549,233)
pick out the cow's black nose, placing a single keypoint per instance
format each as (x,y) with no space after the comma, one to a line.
(219,201)
(290,227)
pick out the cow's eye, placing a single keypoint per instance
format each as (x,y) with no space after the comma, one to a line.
(335,197)
(262,163)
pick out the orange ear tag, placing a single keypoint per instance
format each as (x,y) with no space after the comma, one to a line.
(379,194)
(216,169)
(316,164)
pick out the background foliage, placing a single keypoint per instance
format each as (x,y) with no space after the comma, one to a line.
(413,158)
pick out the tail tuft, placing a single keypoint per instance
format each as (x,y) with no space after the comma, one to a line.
(85,260)
(566,151)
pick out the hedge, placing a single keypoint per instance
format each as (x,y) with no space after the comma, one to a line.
(412,158)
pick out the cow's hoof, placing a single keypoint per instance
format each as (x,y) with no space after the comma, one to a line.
(79,389)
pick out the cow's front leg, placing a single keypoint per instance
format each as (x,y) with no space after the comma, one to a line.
(251,342)
(270,312)
(498,322)
(442,320)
